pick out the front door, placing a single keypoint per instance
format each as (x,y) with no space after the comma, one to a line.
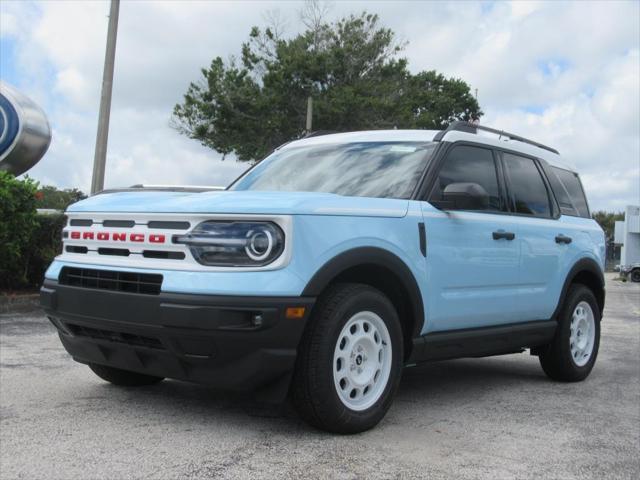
(473,257)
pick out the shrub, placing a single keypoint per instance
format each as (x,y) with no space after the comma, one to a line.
(46,243)
(17,224)
(28,241)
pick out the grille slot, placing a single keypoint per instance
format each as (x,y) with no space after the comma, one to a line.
(118,223)
(119,337)
(168,225)
(76,249)
(80,222)
(163,254)
(120,252)
(130,282)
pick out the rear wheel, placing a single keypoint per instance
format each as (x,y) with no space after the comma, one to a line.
(349,361)
(572,354)
(634,275)
(123,378)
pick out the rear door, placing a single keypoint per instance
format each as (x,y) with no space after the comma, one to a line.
(546,244)
(472,259)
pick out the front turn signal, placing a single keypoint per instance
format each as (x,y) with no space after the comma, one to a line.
(295,313)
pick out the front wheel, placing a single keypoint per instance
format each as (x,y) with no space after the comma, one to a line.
(634,275)
(350,360)
(571,355)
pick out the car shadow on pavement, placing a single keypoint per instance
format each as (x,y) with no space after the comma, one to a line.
(439,383)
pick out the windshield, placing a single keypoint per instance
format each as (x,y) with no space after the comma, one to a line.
(367,169)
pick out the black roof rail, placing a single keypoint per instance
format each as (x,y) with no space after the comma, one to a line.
(462,126)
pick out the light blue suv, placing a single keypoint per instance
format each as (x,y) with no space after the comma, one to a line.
(334,263)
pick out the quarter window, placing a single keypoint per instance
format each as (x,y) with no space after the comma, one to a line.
(571,183)
(527,186)
(562,196)
(466,164)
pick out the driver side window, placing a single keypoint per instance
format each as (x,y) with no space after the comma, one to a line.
(468,164)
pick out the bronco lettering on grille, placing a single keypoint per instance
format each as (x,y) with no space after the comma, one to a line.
(117,237)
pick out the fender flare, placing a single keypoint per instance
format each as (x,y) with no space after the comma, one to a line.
(582,265)
(370,256)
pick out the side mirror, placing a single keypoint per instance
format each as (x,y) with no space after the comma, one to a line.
(464,196)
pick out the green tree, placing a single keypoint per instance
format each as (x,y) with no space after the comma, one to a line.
(49,196)
(607,221)
(352,70)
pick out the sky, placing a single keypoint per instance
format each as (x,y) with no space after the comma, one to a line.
(566,74)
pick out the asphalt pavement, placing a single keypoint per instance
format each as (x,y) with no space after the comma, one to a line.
(496,418)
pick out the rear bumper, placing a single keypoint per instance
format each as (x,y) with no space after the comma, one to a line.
(206,339)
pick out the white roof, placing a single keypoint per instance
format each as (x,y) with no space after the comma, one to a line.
(427,136)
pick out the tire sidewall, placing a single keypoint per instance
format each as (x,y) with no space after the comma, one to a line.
(365,300)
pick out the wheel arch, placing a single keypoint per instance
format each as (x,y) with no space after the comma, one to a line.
(380,269)
(585,271)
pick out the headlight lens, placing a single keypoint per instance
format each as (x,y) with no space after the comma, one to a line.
(234,244)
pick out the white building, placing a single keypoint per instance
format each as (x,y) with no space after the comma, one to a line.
(627,234)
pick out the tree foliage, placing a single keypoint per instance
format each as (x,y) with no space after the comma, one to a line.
(352,70)
(607,221)
(49,196)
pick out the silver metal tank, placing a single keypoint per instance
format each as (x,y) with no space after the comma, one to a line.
(25,133)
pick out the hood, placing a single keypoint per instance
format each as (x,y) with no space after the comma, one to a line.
(241,202)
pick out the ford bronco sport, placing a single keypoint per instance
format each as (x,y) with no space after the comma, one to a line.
(334,263)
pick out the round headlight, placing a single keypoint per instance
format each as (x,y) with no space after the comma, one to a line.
(259,245)
(234,244)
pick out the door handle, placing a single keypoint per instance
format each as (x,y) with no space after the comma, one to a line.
(502,234)
(563,239)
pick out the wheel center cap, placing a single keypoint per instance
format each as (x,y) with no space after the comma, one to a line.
(359,360)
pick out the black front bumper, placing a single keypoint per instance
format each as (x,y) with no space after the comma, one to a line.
(236,343)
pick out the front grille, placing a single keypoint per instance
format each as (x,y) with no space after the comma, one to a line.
(111,336)
(130,282)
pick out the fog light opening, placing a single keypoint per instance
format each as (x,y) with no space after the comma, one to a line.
(257,320)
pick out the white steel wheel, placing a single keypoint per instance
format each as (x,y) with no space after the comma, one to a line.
(582,333)
(362,361)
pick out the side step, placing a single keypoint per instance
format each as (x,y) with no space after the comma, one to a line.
(482,342)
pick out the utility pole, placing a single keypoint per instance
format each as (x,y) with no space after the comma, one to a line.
(309,113)
(100,158)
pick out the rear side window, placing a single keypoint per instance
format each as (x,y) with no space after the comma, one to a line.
(466,164)
(527,186)
(573,190)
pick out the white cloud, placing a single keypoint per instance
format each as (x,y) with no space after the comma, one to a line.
(563,73)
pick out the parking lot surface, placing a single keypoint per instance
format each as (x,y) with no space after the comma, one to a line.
(497,417)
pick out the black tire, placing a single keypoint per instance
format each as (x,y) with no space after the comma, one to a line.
(123,378)
(556,359)
(634,275)
(313,389)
